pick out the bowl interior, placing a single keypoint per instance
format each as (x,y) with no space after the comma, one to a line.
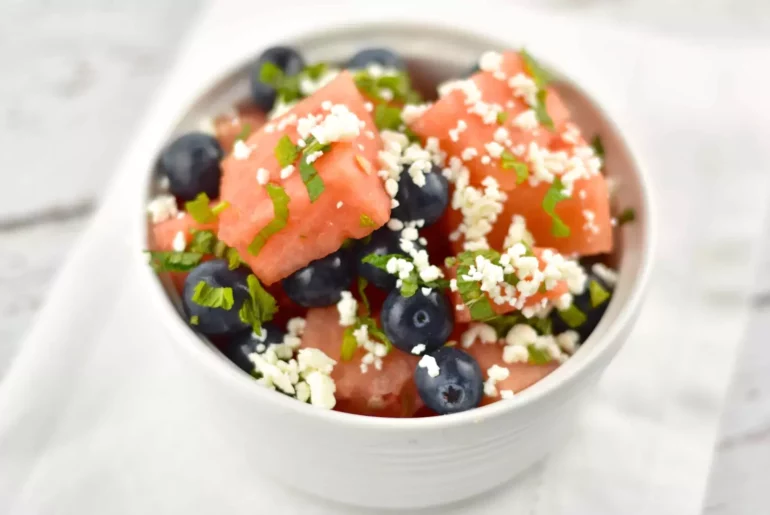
(434,55)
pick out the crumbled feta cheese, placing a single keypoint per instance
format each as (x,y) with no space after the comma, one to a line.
(454,134)
(311,157)
(241,150)
(564,301)
(347,307)
(339,125)
(369,134)
(590,223)
(524,87)
(180,242)
(482,332)
(494,149)
(568,341)
(521,334)
(518,233)
(429,362)
(606,274)
(501,135)
(418,349)
(412,112)
(340,204)
(527,120)
(369,106)
(490,61)
(515,354)
(308,86)
(394,224)
(303,391)
(485,160)
(469,153)
(314,360)
(495,374)
(506,394)
(162,208)
(263,176)
(322,389)
(426,291)
(287,171)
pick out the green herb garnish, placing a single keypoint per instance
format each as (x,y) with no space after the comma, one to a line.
(502,116)
(315,71)
(286,152)
(626,216)
(598,146)
(280,218)
(366,221)
(213,296)
(541,112)
(541,77)
(203,241)
(260,307)
(572,316)
(553,196)
(510,162)
(245,132)
(194,320)
(387,117)
(362,284)
(349,344)
(200,210)
(538,356)
(477,302)
(174,261)
(597,293)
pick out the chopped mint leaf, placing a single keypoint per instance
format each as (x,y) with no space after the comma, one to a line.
(381,260)
(349,344)
(259,307)
(541,325)
(572,316)
(280,218)
(502,116)
(213,296)
(475,300)
(411,135)
(271,74)
(366,221)
(314,71)
(598,146)
(409,287)
(202,241)
(313,182)
(387,117)
(541,77)
(245,132)
(538,356)
(598,293)
(362,284)
(626,216)
(233,258)
(411,284)
(174,261)
(220,207)
(553,196)
(286,152)
(200,210)
(194,320)
(541,112)
(510,162)
(450,261)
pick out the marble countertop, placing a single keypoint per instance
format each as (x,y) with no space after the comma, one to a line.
(85,69)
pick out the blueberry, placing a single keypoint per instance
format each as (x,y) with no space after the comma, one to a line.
(321,282)
(191,163)
(288,60)
(458,385)
(238,348)
(422,203)
(383,241)
(382,56)
(583,303)
(426,319)
(216,321)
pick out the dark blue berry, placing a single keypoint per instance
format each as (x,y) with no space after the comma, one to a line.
(238,348)
(382,242)
(209,320)
(409,321)
(191,163)
(427,202)
(288,60)
(382,56)
(458,386)
(321,282)
(583,302)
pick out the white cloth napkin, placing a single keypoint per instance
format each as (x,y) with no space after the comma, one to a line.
(96,418)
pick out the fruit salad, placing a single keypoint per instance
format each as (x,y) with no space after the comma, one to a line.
(360,245)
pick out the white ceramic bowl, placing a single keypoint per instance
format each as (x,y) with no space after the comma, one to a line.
(414,462)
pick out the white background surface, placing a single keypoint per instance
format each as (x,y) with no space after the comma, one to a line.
(77,76)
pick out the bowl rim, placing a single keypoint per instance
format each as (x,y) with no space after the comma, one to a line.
(563,376)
